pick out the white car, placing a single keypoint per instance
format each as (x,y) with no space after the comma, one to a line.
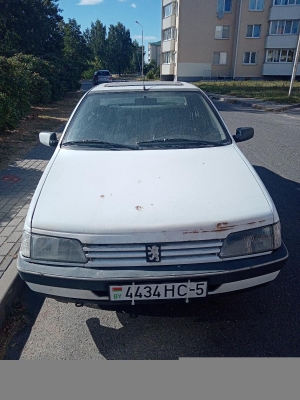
(148,198)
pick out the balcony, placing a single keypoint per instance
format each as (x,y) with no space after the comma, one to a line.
(169,22)
(284,12)
(167,69)
(277,69)
(281,41)
(168,45)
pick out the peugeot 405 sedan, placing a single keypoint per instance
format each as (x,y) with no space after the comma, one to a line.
(148,198)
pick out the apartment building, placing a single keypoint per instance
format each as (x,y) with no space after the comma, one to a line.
(154,52)
(239,39)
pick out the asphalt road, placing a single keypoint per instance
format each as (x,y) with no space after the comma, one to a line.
(262,323)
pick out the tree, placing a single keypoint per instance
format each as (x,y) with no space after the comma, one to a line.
(75,46)
(119,46)
(96,41)
(136,60)
(30,27)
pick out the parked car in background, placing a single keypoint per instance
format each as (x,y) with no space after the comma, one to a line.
(102,76)
(149,198)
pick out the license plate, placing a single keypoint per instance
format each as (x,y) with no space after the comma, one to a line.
(136,292)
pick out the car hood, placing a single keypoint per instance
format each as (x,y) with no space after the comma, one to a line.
(204,192)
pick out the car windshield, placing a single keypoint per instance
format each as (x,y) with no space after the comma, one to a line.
(146,120)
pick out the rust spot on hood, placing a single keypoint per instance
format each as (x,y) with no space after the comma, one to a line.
(188,232)
(102,196)
(139,208)
(221,226)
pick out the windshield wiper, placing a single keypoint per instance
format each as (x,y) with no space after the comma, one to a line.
(179,141)
(100,143)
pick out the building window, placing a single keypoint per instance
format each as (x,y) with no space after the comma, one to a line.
(222,32)
(256,5)
(168,57)
(220,58)
(285,2)
(280,55)
(284,27)
(227,5)
(167,10)
(253,31)
(224,5)
(250,57)
(170,33)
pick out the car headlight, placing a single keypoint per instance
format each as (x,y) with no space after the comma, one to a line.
(252,241)
(47,248)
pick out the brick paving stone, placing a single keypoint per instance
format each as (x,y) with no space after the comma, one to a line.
(15,221)
(14,237)
(22,213)
(1,259)
(6,263)
(2,240)
(7,231)
(15,249)
(13,224)
(20,227)
(14,212)
(12,201)
(6,208)
(5,248)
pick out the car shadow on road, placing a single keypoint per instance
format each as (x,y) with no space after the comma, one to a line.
(30,304)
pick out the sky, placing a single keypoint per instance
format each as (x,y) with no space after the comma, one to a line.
(146,12)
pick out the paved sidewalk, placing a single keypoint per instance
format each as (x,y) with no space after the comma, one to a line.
(17,185)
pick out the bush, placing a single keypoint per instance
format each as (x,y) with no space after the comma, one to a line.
(150,75)
(27,80)
(10,114)
(40,90)
(15,93)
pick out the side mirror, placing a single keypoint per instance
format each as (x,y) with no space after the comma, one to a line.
(243,133)
(48,139)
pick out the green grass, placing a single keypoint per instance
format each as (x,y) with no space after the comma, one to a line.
(276,91)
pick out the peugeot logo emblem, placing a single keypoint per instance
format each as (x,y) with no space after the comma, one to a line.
(153,253)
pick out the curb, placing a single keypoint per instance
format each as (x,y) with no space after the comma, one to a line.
(11,288)
(258,104)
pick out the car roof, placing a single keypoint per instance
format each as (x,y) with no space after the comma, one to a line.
(147,85)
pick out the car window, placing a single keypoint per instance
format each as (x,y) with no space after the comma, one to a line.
(104,73)
(134,117)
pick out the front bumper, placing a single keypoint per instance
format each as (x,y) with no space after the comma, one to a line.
(79,284)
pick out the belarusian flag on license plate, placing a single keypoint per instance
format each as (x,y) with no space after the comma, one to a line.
(117,289)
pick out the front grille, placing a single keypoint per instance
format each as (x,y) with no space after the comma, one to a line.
(134,255)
